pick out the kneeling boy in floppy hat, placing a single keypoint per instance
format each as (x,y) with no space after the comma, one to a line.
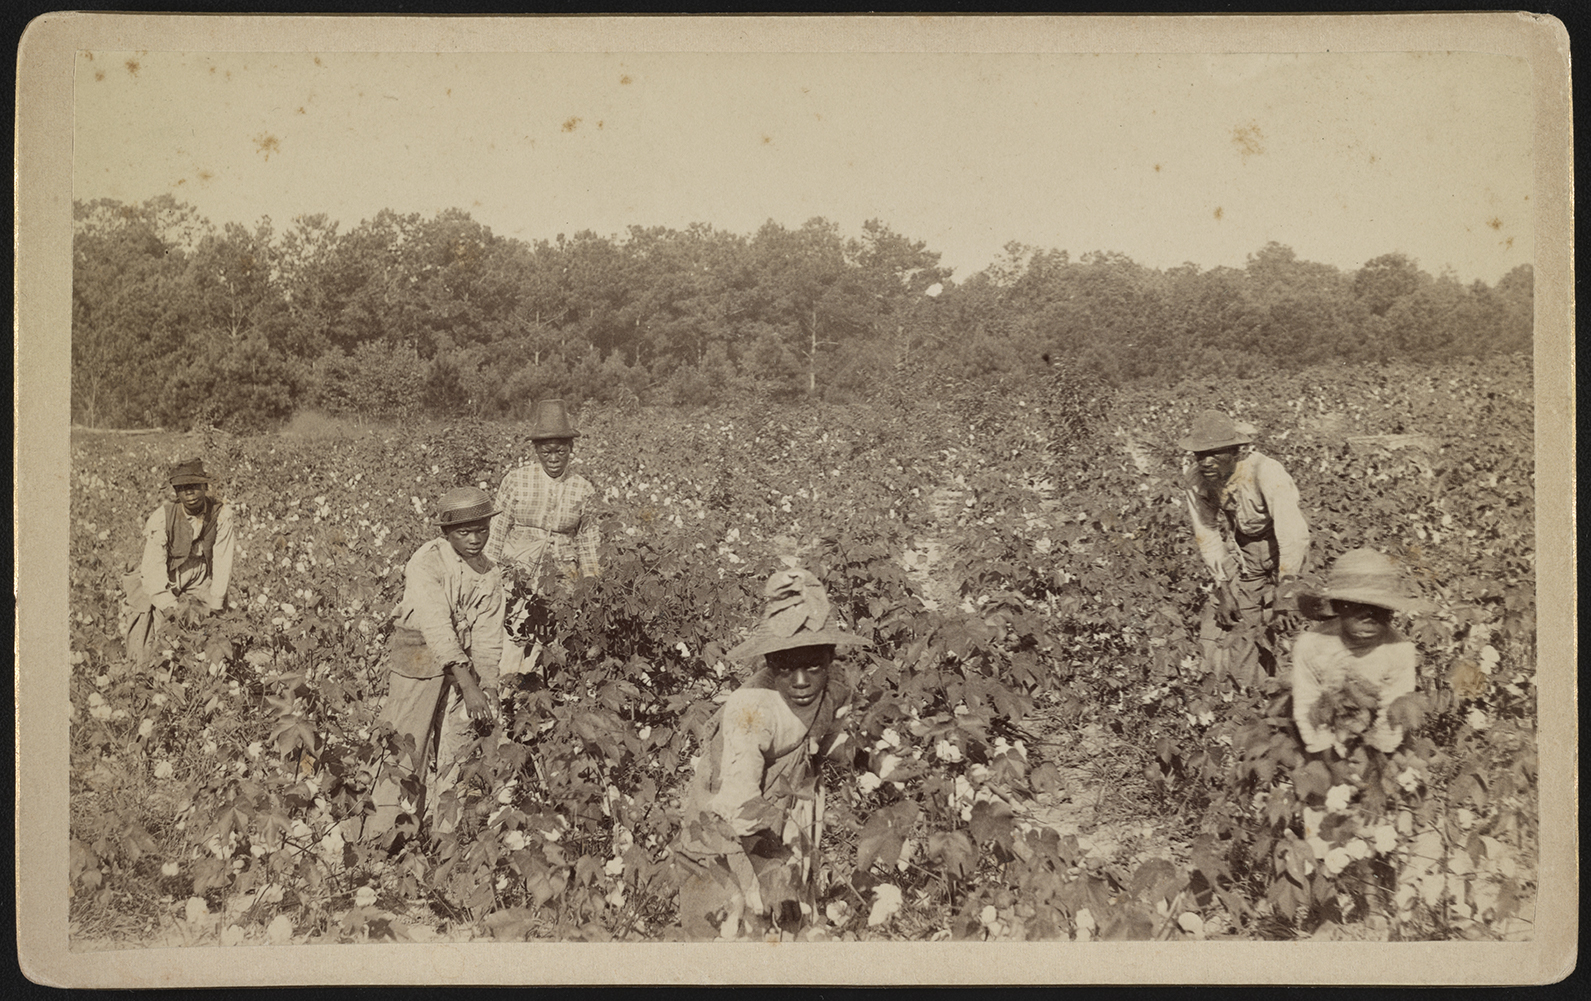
(1354,674)
(444,655)
(1247,525)
(187,561)
(753,810)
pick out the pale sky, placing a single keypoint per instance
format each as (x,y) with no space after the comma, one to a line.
(1166,158)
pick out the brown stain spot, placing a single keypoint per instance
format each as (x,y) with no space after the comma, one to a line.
(1494,223)
(132,66)
(1373,158)
(1218,213)
(599,124)
(570,124)
(205,175)
(1157,168)
(89,56)
(212,70)
(99,74)
(1248,140)
(766,140)
(267,144)
(181,181)
(748,719)
(624,78)
(301,109)
(317,60)
(450,92)
(1509,243)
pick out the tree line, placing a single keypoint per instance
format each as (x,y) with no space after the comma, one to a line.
(176,322)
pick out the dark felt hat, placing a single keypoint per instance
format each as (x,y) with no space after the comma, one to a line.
(189,471)
(1214,430)
(552,421)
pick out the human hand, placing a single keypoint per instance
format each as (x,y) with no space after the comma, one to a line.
(1226,610)
(476,703)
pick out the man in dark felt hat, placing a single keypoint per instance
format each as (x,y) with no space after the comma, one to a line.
(444,653)
(753,810)
(187,561)
(1249,530)
(545,520)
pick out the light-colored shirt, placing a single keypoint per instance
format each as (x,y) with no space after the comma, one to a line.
(163,592)
(458,609)
(543,519)
(763,739)
(1323,663)
(1259,498)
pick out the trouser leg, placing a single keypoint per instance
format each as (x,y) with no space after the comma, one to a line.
(412,706)
(455,734)
(141,633)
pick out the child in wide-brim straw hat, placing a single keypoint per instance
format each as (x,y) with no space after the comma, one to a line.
(1354,674)
(752,813)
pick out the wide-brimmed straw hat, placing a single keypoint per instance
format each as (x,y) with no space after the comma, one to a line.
(462,505)
(797,614)
(1212,430)
(188,471)
(552,421)
(1367,577)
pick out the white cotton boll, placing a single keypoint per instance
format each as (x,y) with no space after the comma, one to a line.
(1477,719)
(1337,860)
(1084,919)
(868,782)
(1358,848)
(887,767)
(1386,838)
(1338,798)
(887,900)
(945,751)
(365,896)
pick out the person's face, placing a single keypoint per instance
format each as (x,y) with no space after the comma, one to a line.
(192,497)
(1216,466)
(1362,625)
(801,675)
(469,538)
(554,455)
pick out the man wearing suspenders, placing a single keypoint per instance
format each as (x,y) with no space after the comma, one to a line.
(186,565)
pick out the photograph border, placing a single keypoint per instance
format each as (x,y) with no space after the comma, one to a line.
(43,242)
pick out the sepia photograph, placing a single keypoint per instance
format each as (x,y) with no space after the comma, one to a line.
(956,499)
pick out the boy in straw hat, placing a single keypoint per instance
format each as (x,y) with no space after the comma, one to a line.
(545,519)
(1354,674)
(753,810)
(187,561)
(444,654)
(1248,527)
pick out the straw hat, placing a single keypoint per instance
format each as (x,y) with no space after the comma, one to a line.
(1367,577)
(552,421)
(797,614)
(189,471)
(462,505)
(1213,429)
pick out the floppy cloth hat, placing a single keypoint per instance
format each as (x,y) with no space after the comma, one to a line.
(1367,577)
(552,421)
(797,614)
(189,471)
(462,505)
(1212,430)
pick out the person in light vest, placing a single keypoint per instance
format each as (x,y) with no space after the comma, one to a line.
(1250,531)
(447,641)
(186,564)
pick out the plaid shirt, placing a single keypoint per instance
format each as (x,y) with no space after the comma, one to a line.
(538,513)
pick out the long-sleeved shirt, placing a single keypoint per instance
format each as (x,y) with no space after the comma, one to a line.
(1259,499)
(543,519)
(163,590)
(458,609)
(1323,663)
